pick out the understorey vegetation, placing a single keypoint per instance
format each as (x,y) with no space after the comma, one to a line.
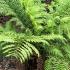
(36,27)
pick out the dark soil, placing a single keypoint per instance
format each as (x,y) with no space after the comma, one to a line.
(12,64)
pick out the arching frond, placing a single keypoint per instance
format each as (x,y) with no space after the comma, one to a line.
(21,46)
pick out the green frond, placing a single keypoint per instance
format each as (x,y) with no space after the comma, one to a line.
(16,10)
(21,43)
(31,13)
(66,51)
(12,46)
(63,7)
(55,51)
(56,64)
(45,38)
(37,12)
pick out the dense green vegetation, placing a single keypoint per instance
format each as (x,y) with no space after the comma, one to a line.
(36,27)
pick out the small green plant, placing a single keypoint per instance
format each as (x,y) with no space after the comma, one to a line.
(54,63)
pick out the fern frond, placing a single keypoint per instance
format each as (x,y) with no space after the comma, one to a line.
(15,9)
(56,64)
(66,51)
(12,46)
(37,12)
(55,52)
(45,38)
(31,13)
(21,43)
(63,7)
